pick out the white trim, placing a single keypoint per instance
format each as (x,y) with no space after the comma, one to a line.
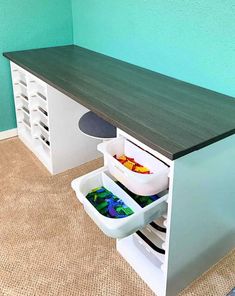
(8,134)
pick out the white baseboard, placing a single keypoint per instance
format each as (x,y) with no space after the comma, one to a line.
(8,134)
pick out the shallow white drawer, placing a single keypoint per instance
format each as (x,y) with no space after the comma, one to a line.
(156,230)
(19,77)
(149,249)
(43,113)
(39,101)
(114,227)
(142,184)
(154,237)
(20,90)
(44,140)
(23,117)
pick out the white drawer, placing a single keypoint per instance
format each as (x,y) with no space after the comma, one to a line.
(22,99)
(44,140)
(22,105)
(43,124)
(149,248)
(116,228)
(154,237)
(39,101)
(23,117)
(141,184)
(20,90)
(19,77)
(157,230)
(43,112)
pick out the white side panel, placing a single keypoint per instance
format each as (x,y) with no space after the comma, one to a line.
(69,146)
(202,214)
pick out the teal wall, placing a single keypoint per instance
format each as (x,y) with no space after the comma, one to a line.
(29,24)
(190,40)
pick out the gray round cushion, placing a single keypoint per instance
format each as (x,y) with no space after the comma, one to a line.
(94,126)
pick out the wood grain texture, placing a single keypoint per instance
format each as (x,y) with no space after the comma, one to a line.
(171,116)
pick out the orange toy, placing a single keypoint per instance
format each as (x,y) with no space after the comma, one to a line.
(132,165)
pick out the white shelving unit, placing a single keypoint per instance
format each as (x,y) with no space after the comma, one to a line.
(149,245)
(151,264)
(197,227)
(47,122)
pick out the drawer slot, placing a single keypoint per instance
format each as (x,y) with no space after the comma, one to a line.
(154,237)
(141,184)
(19,78)
(116,228)
(25,110)
(20,91)
(44,141)
(23,83)
(43,126)
(44,134)
(150,243)
(38,101)
(41,96)
(23,117)
(22,104)
(42,111)
(156,231)
(158,227)
(38,131)
(26,123)
(149,249)
(23,97)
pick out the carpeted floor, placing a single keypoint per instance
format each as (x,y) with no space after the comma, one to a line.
(49,246)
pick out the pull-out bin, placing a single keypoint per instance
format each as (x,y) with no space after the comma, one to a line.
(148,248)
(142,184)
(114,227)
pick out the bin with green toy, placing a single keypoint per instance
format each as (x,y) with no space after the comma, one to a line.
(114,211)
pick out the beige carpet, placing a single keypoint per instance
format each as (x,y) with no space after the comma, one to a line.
(49,246)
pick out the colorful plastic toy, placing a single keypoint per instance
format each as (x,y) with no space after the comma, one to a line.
(108,204)
(143,201)
(132,165)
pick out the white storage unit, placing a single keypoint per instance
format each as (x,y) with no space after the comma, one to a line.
(47,122)
(165,246)
(128,230)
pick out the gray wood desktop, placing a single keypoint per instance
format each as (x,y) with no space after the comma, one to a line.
(188,127)
(169,115)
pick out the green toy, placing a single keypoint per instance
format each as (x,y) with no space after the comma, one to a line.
(143,201)
(108,204)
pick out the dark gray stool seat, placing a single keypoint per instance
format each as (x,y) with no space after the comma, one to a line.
(94,126)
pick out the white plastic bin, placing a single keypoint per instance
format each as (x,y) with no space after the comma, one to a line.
(147,249)
(142,184)
(116,228)
(154,237)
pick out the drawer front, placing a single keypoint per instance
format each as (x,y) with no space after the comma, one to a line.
(23,117)
(44,139)
(149,249)
(39,101)
(19,76)
(142,184)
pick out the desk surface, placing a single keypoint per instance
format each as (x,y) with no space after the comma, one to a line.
(171,116)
